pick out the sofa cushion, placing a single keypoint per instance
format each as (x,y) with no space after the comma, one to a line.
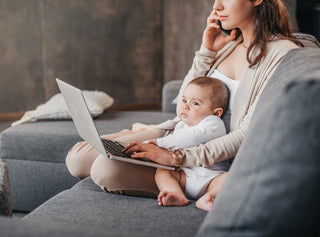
(35,153)
(14,227)
(169,94)
(34,182)
(5,194)
(307,40)
(273,185)
(87,205)
(51,140)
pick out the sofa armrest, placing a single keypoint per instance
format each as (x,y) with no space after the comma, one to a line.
(169,93)
(5,194)
(307,40)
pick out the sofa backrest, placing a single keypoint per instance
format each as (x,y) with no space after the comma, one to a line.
(272,188)
(298,64)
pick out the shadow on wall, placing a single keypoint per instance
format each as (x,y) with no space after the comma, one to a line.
(308,15)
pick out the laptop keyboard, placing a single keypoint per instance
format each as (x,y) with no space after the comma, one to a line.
(114,148)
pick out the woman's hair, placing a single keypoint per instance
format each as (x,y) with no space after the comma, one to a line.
(271,19)
(219,91)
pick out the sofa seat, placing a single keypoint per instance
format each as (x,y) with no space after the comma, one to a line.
(35,153)
(86,205)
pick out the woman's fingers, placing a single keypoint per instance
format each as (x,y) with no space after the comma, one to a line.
(211,19)
(150,151)
(135,148)
(154,142)
(132,147)
(232,36)
(142,150)
(141,155)
(213,38)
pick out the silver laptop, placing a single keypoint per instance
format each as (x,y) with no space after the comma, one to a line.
(87,130)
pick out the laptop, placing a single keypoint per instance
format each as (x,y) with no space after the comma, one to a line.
(87,130)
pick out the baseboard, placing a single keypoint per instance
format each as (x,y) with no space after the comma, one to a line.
(5,117)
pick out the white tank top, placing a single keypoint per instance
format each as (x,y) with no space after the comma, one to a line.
(232,86)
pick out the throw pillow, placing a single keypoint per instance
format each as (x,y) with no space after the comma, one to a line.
(55,107)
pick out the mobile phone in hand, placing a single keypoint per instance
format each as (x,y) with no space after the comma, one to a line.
(228,32)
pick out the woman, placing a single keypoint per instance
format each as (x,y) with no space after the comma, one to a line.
(244,63)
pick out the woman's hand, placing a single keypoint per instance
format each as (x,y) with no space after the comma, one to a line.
(213,38)
(154,142)
(150,151)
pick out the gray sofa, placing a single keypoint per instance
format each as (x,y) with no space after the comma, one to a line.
(35,154)
(272,188)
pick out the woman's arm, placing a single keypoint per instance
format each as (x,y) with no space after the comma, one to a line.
(215,150)
(213,40)
(226,147)
(246,100)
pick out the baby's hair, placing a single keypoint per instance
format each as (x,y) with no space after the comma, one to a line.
(219,91)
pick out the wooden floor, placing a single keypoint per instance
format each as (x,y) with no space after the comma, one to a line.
(7,118)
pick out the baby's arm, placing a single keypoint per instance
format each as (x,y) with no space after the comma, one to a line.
(210,128)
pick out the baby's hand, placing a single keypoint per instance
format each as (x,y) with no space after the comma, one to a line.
(141,127)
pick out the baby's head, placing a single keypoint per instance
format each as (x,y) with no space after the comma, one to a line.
(202,97)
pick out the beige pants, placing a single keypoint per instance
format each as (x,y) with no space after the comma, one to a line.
(111,175)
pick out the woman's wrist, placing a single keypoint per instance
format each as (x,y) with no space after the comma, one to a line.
(178,157)
(207,52)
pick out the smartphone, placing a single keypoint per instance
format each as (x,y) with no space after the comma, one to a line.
(228,32)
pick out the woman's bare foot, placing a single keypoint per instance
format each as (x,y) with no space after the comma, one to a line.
(166,198)
(205,202)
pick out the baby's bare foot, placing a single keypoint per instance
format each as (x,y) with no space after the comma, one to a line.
(205,202)
(171,198)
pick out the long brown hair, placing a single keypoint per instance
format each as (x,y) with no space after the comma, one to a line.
(271,19)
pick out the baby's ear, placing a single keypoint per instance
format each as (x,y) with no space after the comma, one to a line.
(218,112)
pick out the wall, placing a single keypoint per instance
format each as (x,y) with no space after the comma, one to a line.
(184,23)
(128,48)
(110,45)
(308,16)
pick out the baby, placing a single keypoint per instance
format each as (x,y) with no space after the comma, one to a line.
(203,103)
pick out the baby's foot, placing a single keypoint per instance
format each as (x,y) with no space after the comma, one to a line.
(167,198)
(205,202)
